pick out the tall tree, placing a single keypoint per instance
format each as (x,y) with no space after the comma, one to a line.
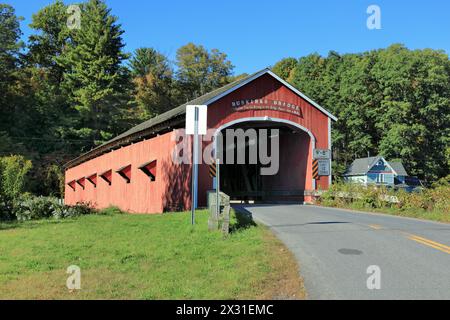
(53,35)
(10,46)
(200,71)
(154,82)
(96,79)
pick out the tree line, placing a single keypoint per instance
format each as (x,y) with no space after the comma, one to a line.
(65,90)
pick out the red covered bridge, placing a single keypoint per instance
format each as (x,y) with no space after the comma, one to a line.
(135,171)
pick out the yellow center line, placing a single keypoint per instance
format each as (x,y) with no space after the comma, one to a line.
(430,243)
(375,226)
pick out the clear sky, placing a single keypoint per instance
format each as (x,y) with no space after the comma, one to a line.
(256,34)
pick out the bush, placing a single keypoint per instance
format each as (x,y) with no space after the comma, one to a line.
(35,208)
(13,171)
(81,209)
(371,197)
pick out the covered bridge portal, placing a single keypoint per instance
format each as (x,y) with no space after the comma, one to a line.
(136,172)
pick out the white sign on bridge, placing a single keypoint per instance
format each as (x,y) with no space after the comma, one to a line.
(321,154)
(324,167)
(201,119)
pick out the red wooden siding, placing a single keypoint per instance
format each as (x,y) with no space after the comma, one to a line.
(170,191)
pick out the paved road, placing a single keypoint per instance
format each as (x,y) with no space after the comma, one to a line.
(335,247)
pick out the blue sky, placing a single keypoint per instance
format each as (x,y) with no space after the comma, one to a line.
(256,34)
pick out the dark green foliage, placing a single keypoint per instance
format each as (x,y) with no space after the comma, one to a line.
(36,208)
(9,61)
(54,180)
(13,176)
(94,76)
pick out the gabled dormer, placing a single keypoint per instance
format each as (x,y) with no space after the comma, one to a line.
(375,170)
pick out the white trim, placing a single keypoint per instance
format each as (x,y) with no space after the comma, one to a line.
(267,71)
(326,112)
(241,84)
(267,119)
(384,160)
(395,172)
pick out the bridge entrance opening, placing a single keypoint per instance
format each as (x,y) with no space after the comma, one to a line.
(282,179)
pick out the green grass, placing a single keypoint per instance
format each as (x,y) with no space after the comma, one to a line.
(125,256)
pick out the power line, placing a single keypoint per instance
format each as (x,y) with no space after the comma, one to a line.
(50,139)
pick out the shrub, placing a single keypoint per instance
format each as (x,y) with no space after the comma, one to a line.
(35,208)
(81,209)
(359,196)
(13,171)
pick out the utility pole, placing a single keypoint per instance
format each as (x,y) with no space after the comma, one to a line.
(196,125)
(194,169)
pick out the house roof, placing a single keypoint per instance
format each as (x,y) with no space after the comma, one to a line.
(176,116)
(398,167)
(362,165)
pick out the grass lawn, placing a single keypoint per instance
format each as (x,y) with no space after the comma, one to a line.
(125,256)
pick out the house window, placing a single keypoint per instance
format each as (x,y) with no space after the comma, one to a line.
(379,178)
(149,169)
(382,178)
(92,179)
(125,173)
(107,176)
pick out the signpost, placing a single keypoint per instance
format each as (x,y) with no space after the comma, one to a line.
(196,124)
